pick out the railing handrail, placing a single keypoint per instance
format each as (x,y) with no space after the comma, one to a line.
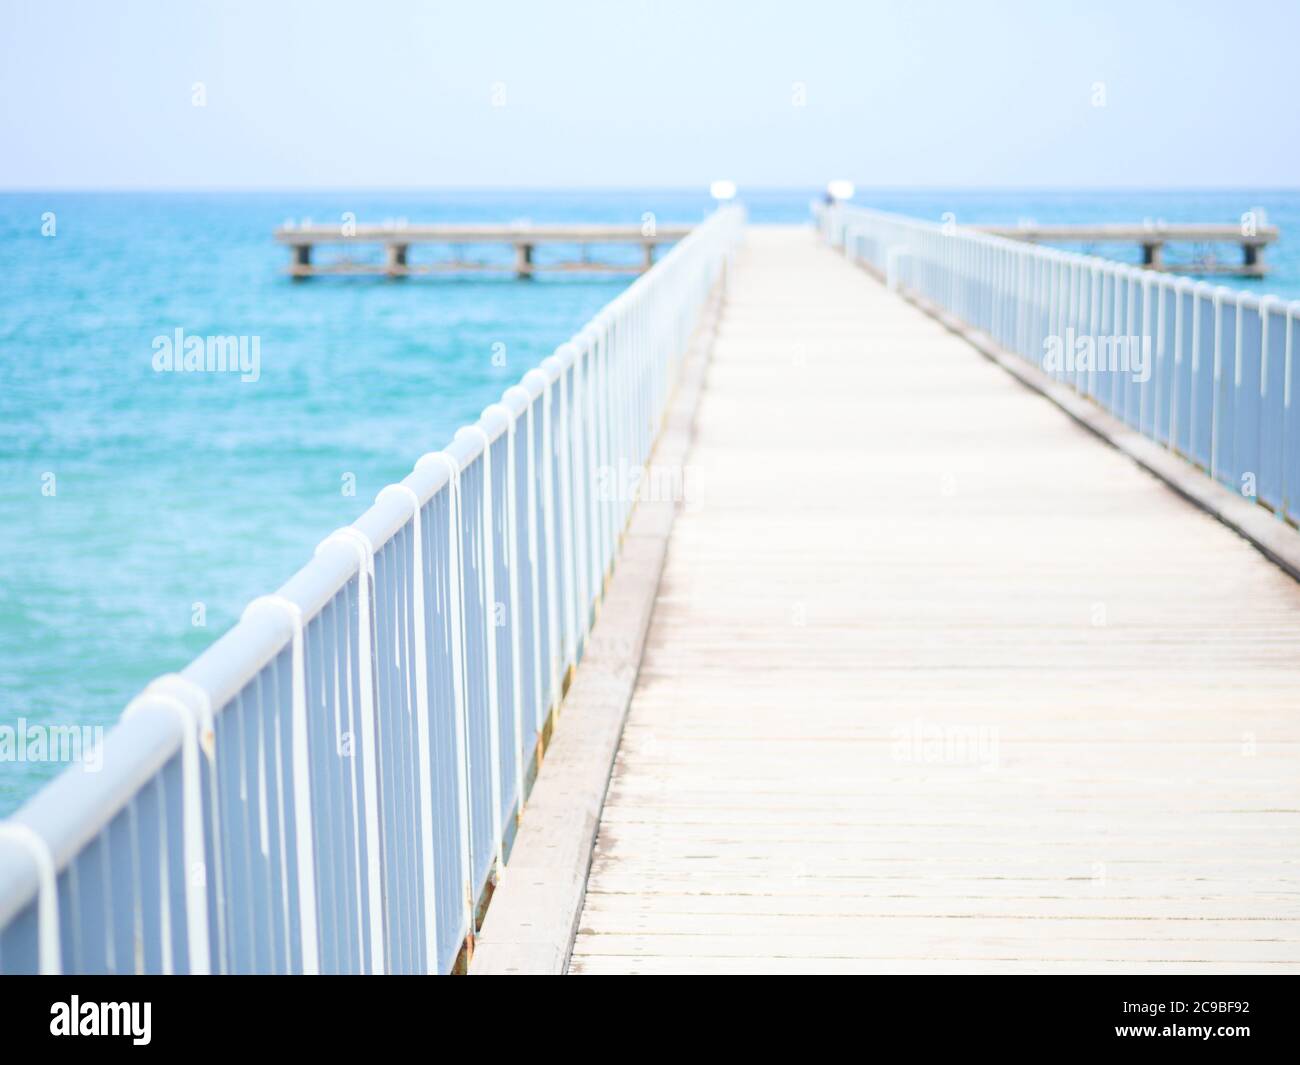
(175,715)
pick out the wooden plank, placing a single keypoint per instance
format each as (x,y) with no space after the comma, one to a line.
(938,683)
(911,930)
(985,940)
(618,878)
(617,965)
(635,905)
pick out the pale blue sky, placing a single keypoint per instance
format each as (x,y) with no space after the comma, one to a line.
(384,93)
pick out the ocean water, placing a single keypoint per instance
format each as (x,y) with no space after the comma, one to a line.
(135,503)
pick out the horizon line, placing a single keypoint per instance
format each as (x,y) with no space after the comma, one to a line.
(703,189)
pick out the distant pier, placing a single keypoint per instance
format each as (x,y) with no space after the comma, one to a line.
(1152,239)
(396,241)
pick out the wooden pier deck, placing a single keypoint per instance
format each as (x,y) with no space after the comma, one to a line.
(938,682)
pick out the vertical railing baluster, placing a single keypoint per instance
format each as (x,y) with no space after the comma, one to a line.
(357,541)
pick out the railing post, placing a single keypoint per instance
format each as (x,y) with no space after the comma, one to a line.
(511,527)
(353,538)
(304,827)
(892,255)
(488,562)
(420,606)
(48,948)
(456,626)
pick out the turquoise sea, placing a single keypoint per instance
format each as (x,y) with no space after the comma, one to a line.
(180,495)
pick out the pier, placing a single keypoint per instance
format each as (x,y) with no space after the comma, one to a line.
(926,657)
(920,697)
(1152,238)
(396,241)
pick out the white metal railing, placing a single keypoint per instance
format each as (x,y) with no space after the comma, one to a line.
(1216,387)
(329,787)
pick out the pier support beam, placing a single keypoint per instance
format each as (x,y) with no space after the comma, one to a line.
(648,255)
(396,259)
(301,261)
(1153,255)
(523,260)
